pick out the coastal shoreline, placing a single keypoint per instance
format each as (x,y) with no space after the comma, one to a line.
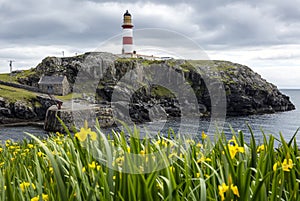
(39,124)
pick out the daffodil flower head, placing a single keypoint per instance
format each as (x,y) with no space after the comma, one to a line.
(275,166)
(45,197)
(235,190)
(222,190)
(234,148)
(24,185)
(287,165)
(261,148)
(84,132)
(92,165)
(204,136)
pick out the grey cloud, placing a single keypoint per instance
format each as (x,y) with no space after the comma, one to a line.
(227,24)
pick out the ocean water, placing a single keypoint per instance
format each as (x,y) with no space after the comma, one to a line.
(285,122)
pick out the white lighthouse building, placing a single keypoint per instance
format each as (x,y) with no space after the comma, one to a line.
(127,34)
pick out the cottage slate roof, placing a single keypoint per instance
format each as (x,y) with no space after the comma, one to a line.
(51,79)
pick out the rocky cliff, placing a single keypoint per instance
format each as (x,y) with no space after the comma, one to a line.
(101,73)
(97,75)
(23,110)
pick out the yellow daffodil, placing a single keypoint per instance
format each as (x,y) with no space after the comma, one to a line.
(36,198)
(198,174)
(287,165)
(234,148)
(84,132)
(92,165)
(83,169)
(199,145)
(261,148)
(40,154)
(45,197)
(275,166)
(30,146)
(235,190)
(51,170)
(222,189)
(204,136)
(59,134)
(25,185)
(202,159)
(162,143)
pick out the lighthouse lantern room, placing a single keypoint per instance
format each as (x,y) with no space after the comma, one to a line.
(127,34)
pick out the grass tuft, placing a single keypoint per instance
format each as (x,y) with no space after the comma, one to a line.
(62,167)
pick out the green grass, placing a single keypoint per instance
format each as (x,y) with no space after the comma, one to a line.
(7,78)
(14,94)
(25,73)
(14,78)
(65,168)
(149,62)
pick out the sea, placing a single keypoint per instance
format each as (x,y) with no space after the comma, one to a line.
(285,123)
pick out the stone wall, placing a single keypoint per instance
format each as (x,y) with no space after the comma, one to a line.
(75,117)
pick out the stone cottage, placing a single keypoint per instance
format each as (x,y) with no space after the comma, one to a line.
(57,85)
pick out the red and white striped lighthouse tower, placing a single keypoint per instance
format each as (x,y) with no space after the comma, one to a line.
(127,34)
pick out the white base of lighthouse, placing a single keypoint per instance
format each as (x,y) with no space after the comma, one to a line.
(127,49)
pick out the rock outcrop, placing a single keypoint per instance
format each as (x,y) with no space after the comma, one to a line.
(74,116)
(24,110)
(246,91)
(99,75)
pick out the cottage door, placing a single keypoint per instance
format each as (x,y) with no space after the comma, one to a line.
(50,89)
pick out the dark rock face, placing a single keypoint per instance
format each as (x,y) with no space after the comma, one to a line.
(21,110)
(248,93)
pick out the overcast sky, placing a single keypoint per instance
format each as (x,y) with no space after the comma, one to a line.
(263,34)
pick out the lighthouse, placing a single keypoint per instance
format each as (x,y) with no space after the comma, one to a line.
(127,34)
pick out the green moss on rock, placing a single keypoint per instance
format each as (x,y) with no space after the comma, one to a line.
(159,91)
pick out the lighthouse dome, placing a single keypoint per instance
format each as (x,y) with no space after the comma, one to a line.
(127,13)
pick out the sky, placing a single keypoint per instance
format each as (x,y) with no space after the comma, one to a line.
(262,34)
